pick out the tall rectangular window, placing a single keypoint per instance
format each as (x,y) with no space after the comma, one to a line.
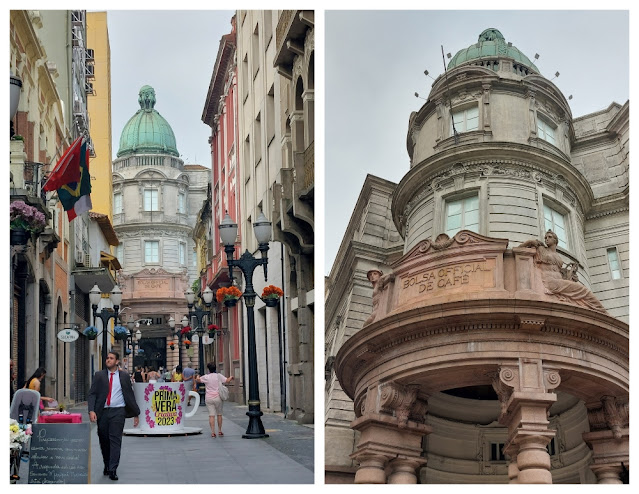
(119,253)
(555,221)
(181,200)
(117,203)
(545,131)
(613,263)
(462,214)
(152,251)
(465,120)
(151,200)
(182,252)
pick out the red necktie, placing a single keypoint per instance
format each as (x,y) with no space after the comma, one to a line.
(110,388)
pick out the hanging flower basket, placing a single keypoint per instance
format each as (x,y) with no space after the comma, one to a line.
(213,329)
(229,295)
(186,332)
(91,332)
(119,333)
(271,295)
(128,351)
(25,220)
(172,346)
(187,343)
(19,236)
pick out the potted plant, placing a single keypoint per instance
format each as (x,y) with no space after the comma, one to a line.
(24,221)
(186,332)
(229,295)
(212,329)
(90,332)
(187,343)
(172,346)
(271,295)
(120,333)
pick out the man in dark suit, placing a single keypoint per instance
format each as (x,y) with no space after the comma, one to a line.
(111,400)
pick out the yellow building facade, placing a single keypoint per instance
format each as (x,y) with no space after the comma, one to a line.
(99,106)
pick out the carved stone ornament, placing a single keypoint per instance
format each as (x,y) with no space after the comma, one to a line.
(610,414)
(443,241)
(401,401)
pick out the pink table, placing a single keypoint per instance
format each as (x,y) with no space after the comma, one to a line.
(61,418)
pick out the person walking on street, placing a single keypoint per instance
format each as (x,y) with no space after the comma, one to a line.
(188,374)
(212,398)
(111,401)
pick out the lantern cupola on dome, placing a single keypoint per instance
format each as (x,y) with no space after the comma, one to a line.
(491,44)
(147,132)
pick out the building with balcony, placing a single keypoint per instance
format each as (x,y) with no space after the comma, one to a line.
(156,199)
(269,44)
(44,58)
(464,344)
(220,113)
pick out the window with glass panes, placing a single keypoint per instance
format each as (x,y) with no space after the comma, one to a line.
(465,120)
(150,200)
(462,214)
(117,203)
(545,131)
(119,253)
(555,221)
(152,251)
(181,202)
(182,253)
(613,262)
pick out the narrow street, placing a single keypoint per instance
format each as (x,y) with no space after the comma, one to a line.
(285,457)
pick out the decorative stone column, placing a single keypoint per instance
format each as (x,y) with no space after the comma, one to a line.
(523,392)
(608,437)
(391,426)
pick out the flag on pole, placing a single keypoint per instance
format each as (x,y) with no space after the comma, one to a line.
(74,194)
(68,168)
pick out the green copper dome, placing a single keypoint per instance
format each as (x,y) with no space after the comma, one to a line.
(491,43)
(147,131)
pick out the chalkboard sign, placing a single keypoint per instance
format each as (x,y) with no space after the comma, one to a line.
(60,454)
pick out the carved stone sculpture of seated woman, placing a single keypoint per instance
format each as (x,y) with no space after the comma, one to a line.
(559,279)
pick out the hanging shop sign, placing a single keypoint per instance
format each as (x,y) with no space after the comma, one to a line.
(68,334)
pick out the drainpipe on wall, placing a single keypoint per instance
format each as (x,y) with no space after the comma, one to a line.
(283,345)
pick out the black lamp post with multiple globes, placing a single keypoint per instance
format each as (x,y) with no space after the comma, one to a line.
(131,338)
(105,314)
(200,314)
(247,264)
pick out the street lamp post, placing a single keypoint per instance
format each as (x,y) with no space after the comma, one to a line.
(200,314)
(247,264)
(105,314)
(131,338)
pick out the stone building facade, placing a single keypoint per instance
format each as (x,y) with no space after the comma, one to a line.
(156,199)
(275,67)
(486,357)
(221,114)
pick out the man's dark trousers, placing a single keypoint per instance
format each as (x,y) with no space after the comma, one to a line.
(110,427)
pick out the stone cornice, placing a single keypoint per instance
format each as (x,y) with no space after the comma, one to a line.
(492,321)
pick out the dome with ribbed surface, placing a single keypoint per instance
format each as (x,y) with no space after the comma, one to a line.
(147,132)
(491,44)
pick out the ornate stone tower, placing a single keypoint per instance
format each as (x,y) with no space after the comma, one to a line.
(156,198)
(496,351)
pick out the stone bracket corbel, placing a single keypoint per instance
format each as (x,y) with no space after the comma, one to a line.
(401,401)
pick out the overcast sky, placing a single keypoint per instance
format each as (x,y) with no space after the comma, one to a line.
(175,53)
(375,62)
